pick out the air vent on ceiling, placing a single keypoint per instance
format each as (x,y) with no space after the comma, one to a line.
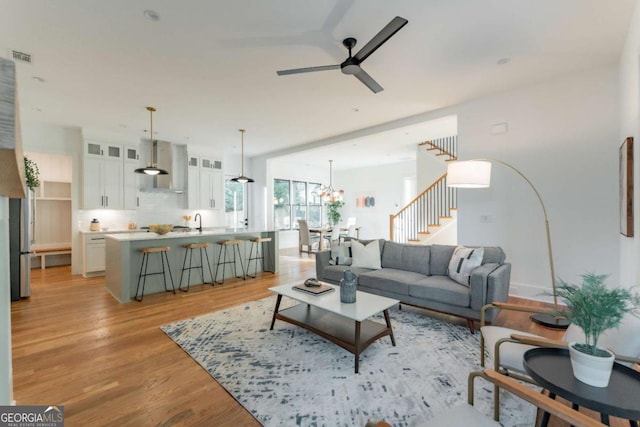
(21,56)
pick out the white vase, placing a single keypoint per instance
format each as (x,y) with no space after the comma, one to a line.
(592,370)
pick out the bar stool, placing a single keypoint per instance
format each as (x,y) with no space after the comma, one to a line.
(235,247)
(189,252)
(258,243)
(162,250)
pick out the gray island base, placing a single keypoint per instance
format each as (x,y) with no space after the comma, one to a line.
(123,258)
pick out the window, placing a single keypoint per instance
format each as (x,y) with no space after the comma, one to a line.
(315,205)
(281,204)
(294,200)
(234,203)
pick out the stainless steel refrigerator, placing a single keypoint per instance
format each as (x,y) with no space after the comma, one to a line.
(22,216)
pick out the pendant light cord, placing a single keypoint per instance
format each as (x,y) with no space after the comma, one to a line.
(242,131)
(151,110)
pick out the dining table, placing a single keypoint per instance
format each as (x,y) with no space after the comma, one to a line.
(324,231)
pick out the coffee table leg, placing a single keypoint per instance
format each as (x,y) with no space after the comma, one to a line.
(388,320)
(275,311)
(357,352)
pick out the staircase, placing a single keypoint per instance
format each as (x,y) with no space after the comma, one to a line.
(434,210)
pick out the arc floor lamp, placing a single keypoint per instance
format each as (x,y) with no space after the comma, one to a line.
(476,173)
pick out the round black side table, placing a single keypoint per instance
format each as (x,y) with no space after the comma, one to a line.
(551,369)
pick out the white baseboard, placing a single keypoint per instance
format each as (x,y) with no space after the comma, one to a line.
(536,293)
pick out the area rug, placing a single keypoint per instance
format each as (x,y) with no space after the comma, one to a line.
(291,377)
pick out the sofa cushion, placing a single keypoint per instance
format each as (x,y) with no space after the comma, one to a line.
(390,279)
(441,289)
(463,261)
(439,260)
(406,257)
(365,256)
(334,272)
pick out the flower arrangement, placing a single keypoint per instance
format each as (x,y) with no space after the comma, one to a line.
(333,211)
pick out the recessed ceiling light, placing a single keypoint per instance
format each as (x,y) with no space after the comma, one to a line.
(151,15)
(356,109)
(38,79)
(503,61)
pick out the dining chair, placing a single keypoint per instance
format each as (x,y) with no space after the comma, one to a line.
(306,239)
(506,346)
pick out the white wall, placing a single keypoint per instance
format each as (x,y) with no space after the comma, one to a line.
(385,184)
(629,91)
(563,135)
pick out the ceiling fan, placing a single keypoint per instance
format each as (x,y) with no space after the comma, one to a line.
(352,64)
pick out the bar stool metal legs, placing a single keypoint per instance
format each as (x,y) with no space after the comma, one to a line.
(223,259)
(258,244)
(189,252)
(145,264)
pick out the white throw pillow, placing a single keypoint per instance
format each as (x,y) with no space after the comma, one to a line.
(365,256)
(463,261)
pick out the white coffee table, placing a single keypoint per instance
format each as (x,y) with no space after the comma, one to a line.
(346,325)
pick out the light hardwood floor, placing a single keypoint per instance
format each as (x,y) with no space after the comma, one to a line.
(109,364)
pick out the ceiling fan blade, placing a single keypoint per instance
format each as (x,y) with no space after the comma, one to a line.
(385,34)
(368,81)
(308,69)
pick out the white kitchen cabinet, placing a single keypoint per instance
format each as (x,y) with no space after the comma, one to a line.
(204,183)
(211,181)
(93,254)
(131,179)
(102,185)
(193,183)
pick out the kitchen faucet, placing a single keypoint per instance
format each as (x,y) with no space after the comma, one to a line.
(198,216)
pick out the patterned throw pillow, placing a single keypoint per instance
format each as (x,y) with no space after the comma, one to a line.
(340,253)
(463,261)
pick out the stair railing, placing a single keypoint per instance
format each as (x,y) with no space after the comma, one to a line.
(447,146)
(425,210)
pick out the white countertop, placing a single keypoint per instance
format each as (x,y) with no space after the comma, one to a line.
(144,235)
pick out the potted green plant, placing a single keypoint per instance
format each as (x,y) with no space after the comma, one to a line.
(32,173)
(333,211)
(594,308)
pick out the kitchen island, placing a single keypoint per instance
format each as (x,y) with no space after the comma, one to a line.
(123,257)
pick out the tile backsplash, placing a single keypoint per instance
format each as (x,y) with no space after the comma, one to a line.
(162,208)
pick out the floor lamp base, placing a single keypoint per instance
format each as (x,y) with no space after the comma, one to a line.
(550,321)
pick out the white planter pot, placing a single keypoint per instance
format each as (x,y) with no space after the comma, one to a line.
(589,369)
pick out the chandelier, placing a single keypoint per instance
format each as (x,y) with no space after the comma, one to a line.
(328,193)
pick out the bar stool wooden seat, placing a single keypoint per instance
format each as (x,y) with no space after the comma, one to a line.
(224,259)
(202,246)
(258,244)
(162,250)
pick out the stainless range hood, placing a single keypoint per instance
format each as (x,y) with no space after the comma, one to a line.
(171,158)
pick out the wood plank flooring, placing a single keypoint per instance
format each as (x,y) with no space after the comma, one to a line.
(109,364)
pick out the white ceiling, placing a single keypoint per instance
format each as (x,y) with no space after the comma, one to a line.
(209,66)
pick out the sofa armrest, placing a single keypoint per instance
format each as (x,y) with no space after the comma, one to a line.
(489,283)
(323,259)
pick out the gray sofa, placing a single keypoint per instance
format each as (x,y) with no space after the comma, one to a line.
(418,275)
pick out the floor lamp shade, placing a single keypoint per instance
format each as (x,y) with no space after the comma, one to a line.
(469,174)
